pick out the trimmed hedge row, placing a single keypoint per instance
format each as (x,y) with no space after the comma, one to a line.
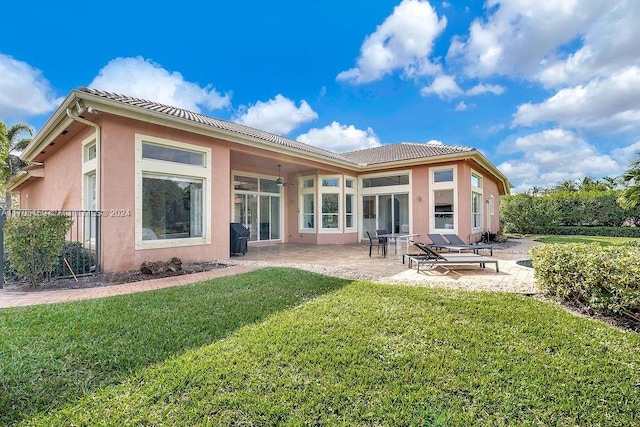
(588,231)
(606,278)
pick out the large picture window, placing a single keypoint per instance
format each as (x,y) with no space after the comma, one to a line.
(171,207)
(172,192)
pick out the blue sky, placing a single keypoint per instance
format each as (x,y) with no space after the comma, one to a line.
(547,90)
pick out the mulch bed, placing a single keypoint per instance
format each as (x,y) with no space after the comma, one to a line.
(108,279)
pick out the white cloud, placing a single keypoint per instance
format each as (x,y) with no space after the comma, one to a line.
(278,115)
(462,106)
(486,88)
(554,155)
(607,45)
(145,79)
(520,36)
(403,41)
(340,138)
(24,91)
(444,86)
(608,104)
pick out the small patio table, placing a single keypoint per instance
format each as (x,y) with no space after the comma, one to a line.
(398,236)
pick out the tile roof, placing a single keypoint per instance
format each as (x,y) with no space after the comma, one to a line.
(214,123)
(383,154)
(404,151)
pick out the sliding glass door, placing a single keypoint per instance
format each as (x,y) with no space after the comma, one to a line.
(257,207)
(385,212)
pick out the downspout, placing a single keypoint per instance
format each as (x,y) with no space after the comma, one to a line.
(75,116)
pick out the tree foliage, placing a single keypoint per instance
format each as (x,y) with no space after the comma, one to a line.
(631,181)
(12,141)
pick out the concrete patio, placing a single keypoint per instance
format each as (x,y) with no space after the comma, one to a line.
(347,261)
(353,261)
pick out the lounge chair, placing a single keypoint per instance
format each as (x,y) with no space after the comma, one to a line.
(431,259)
(381,243)
(456,240)
(439,242)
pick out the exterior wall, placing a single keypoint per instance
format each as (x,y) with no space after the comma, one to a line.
(61,187)
(117,194)
(420,192)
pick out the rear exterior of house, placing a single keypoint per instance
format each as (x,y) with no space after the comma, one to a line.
(169,182)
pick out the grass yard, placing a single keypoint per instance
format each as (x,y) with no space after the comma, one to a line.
(602,241)
(284,347)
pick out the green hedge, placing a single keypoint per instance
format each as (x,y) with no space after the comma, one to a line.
(588,231)
(606,279)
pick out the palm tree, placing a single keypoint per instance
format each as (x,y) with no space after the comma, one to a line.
(12,141)
(631,181)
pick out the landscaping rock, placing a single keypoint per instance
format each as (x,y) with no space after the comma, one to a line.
(174,264)
(153,268)
(160,267)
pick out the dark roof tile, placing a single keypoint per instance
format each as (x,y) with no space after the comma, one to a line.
(372,156)
(404,151)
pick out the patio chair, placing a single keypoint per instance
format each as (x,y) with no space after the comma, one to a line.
(457,241)
(382,243)
(432,259)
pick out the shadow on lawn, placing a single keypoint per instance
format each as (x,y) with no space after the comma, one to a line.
(53,355)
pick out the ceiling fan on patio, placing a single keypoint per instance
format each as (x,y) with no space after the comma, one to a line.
(280,181)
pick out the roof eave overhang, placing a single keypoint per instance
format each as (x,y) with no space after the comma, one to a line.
(474,155)
(57,123)
(17,181)
(117,108)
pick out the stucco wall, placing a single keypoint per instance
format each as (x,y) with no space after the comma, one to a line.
(118,194)
(61,187)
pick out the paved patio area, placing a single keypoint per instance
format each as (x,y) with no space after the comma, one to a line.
(347,261)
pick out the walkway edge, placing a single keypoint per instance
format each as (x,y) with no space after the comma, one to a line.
(21,299)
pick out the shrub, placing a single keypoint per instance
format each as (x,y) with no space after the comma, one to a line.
(606,279)
(79,258)
(34,244)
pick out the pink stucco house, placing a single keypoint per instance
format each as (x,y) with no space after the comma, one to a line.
(169,181)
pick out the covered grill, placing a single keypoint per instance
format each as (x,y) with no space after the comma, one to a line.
(239,237)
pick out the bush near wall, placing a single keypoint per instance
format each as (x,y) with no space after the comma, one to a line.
(606,279)
(34,244)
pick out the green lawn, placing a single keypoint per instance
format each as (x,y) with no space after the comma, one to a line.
(603,241)
(284,347)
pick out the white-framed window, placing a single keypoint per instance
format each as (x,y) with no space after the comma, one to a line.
(173,193)
(443,201)
(307,199)
(385,202)
(350,203)
(90,174)
(491,205)
(476,201)
(476,210)
(330,205)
